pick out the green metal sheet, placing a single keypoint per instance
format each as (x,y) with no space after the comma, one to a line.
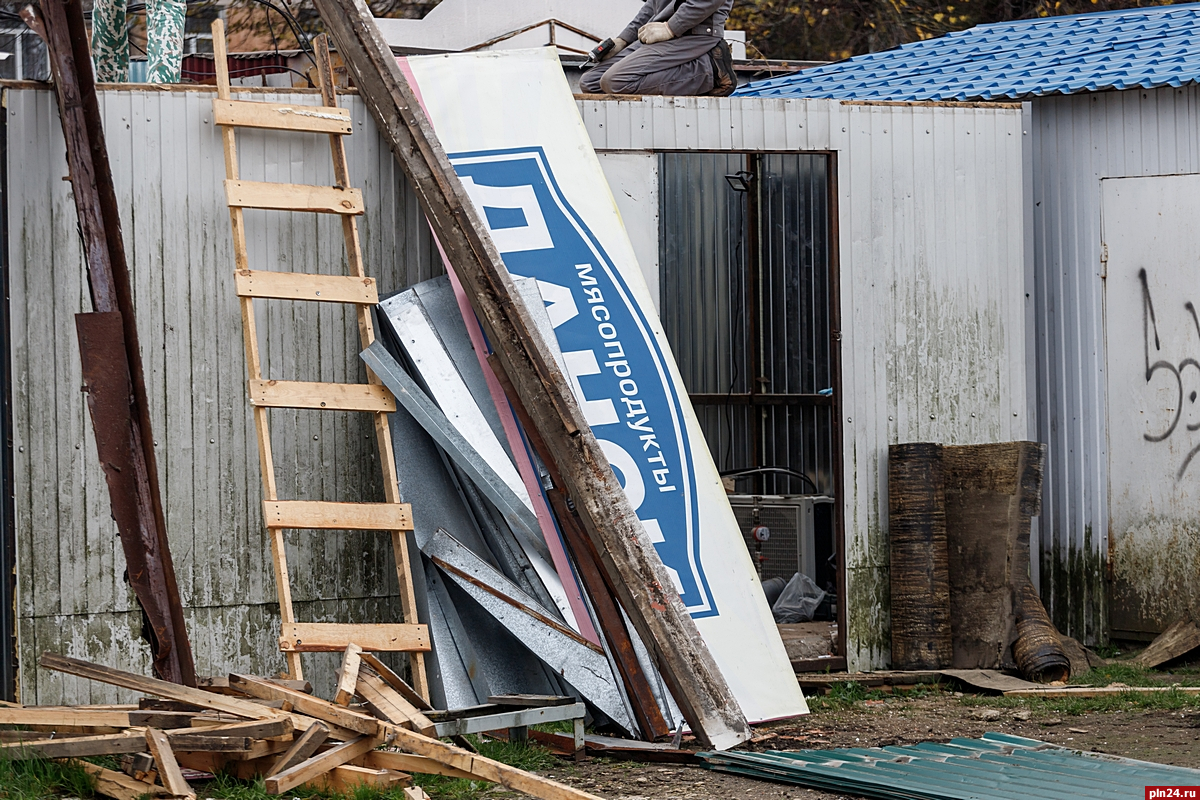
(996,767)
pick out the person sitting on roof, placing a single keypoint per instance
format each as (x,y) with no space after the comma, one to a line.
(672,47)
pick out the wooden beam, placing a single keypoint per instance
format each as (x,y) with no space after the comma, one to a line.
(627,554)
(318,515)
(348,777)
(118,785)
(348,674)
(320,764)
(332,637)
(302,286)
(159,688)
(322,396)
(307,704)
(168,768)
(396,682)
(293,197)
(407,762)
(282,116)
(305,745)
(98,718)
(386,703)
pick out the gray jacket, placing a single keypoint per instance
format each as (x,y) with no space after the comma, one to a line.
(696,17)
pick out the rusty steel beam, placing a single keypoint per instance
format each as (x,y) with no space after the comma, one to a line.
(625,550)
(134,494)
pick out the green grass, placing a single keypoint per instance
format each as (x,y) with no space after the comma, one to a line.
(848,695)
(39,779)
(1172,700)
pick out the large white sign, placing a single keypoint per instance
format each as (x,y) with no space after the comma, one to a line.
(510,126)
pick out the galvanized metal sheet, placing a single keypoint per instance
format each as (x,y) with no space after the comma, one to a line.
(580,663)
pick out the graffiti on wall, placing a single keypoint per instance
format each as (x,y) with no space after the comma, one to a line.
(1182,377)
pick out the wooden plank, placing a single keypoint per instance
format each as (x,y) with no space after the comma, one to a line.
(1178,640)
(322,396)
(260,729)
(307,704)
(636,570)
(318,515)
(348,674)
(415,793)
(386,703)
(331,637)
(407,762)
(168,768)
(348,777)
(77,746)
(293,197)
(302,286)
(34,715)
(282,116)
(154,686)
(305,745)
(1100,691)
(484,768)
(118,785)
(396,682)
(220,684)
(320,764)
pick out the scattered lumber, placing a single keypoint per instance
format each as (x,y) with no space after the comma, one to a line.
(224,726)
(1178,640)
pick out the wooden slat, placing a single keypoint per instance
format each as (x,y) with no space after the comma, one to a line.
(319,765)
(282,116)
(307,704)
(386,703)
(118,785)
(332,637)
(406,762)
(322,396)
(305,286)
(168,768)
(347,777)
(305,745)
(348,674)
(396,682)
(293,197)
(87,718)
(304,514)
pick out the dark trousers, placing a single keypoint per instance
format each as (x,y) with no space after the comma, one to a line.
(678,67)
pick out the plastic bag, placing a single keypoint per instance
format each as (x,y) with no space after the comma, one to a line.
(798,601)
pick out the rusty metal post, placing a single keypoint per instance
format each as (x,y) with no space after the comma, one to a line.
(122,425)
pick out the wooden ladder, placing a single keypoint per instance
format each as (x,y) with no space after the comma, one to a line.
(373,398)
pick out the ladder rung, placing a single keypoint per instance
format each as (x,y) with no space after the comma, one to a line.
(302,286)
(328,637)
(280,116)
(293,514)
(323,396)
(293,197)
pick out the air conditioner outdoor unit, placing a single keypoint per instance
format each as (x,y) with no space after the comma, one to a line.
(789,518)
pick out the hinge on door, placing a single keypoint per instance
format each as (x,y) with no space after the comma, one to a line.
(1103,261)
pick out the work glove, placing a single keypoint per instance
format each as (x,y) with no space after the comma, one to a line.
(619,44)
(654,32)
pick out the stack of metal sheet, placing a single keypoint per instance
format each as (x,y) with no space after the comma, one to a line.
(506,612)
(996,766)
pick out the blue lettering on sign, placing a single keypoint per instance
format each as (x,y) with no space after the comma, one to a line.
(616,368)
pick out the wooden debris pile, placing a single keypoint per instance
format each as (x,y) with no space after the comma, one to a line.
(373,734)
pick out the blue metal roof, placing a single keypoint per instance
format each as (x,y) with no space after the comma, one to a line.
(1139,48)
(995,767)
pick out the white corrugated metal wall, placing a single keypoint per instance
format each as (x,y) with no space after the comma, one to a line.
(933,283)
(168,168)
(1077,141)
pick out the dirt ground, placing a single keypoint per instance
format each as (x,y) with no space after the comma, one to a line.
(1169,737)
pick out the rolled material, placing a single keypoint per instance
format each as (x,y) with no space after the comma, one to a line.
(919,558)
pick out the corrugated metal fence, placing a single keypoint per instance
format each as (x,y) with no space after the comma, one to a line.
(168,168)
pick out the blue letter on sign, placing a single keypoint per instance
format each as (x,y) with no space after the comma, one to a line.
(616,368)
